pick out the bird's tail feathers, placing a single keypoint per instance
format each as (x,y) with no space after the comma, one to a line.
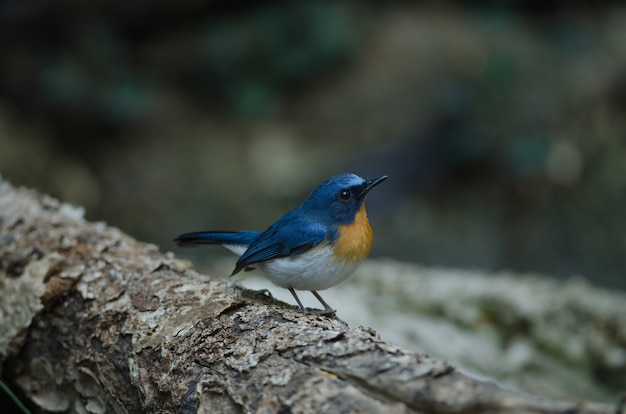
(217,237)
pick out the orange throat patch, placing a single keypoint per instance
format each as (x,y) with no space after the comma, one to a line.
(355,239)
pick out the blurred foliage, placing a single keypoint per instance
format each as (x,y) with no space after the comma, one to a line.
(501,125)
(100,66)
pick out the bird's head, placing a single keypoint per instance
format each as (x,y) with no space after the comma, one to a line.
(339,198)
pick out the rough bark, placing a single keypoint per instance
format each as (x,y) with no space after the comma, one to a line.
(93,321)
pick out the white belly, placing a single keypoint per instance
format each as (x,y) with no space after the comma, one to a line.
(316,269)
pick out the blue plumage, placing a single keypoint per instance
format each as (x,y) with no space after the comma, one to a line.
(292,234)
(301,250)
(217,237)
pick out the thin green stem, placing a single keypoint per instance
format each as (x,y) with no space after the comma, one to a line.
(16,400)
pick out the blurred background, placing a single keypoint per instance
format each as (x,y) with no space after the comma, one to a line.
(501,124)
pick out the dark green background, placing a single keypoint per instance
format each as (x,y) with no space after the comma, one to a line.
(501,124)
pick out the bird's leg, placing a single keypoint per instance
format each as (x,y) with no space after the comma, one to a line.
(293,292)
(327,309)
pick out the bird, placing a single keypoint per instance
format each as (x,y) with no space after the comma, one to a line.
(312,247)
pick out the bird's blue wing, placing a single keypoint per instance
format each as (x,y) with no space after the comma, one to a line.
(290,235)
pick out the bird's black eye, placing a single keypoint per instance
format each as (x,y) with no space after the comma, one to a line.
(345,194)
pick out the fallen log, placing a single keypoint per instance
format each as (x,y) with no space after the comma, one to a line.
(93,321)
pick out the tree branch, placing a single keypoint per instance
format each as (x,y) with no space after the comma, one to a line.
(94,321)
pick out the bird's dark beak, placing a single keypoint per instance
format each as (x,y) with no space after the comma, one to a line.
(371,184)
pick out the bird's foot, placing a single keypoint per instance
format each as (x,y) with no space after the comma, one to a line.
(330,313)
(323,312)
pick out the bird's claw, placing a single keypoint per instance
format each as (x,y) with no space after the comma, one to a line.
(323,312)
